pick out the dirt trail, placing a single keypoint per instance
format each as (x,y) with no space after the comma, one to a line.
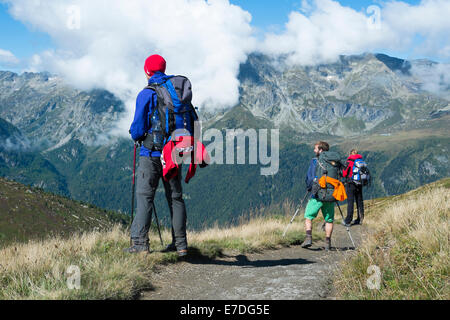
(288,273)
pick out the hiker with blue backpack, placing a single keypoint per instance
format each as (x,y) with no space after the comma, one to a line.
(163,113)
(357,176)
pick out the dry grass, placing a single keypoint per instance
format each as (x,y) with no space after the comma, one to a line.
(410,245)
(257,235)
(38,269)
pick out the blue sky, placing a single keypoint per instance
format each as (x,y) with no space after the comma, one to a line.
(267,16)
(18,38)
(271,16)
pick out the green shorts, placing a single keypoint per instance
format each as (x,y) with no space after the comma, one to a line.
(313,207)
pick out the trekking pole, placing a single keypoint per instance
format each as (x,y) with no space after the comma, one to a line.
(157,224)
(295,214)
(133,188)
(348,229)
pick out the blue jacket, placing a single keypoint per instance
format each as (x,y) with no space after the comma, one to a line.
(311,174)
(145,103)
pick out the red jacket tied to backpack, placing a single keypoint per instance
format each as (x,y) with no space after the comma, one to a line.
(348,172)
(183,147)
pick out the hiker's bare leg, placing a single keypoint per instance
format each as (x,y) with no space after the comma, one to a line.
(308,224)
(328,229)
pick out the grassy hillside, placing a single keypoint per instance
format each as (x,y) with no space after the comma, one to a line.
(30,213)
(408,242)
(41,269)
(32,169)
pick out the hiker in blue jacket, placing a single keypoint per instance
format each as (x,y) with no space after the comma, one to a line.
(311,174)
(150,170)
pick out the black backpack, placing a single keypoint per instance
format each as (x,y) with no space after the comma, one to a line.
(328,164)
(174,111)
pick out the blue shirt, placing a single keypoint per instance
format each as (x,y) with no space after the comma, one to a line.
(145,103)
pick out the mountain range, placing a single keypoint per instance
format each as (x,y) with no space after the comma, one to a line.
(49,133)
(369,93)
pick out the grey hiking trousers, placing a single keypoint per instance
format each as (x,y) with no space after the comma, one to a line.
(148,175)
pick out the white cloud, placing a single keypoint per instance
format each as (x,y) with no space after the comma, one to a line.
(326,29)
(104,43)
(7,58)
(435,78)
(429,20)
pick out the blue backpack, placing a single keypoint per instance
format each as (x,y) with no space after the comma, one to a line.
(174,111)
(361,173)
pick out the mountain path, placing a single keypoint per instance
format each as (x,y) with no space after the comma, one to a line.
(289,273)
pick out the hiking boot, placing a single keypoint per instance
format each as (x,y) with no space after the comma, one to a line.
(345,224)
(182,254)
(355,222)
(136,248)
(170,248)
(308,242)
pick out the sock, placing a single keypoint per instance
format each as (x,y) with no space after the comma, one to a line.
(309,233)
(328,239)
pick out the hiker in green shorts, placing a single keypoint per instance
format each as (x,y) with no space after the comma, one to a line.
(314,205)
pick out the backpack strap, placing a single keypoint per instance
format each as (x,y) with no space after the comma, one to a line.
(321,165)
(149,144)
(157,87)
(152,87)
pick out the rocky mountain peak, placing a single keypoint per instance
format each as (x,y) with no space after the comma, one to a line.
(353,95)
(50,112)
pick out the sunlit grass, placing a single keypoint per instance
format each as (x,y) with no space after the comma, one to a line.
(409,242)
(38,269)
